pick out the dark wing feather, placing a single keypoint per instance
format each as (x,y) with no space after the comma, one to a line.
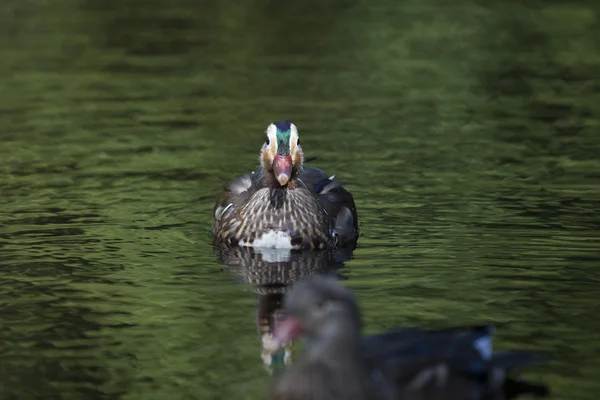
(337,202)
(454,362)
(399,346)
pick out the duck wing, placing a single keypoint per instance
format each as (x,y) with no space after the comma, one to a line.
(335,200)
(453,363)
(235,193)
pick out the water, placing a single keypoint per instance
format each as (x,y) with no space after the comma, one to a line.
(469,133)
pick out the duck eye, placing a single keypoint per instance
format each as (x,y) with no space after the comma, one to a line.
(268,141)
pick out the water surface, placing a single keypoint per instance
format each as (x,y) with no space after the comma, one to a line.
(469,133)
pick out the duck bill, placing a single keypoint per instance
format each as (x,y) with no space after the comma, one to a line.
(282,168)
(286,331)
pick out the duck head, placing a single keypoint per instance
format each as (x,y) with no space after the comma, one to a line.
(281,156)
(323,311)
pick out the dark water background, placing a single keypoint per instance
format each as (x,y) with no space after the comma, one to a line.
(468,129)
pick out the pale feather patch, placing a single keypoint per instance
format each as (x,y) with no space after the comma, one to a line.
(272,240)
(293,138)
(269,150)
(272,135)
(241,185)
(332,185)
(218,213)
(274,255)
(221,210)
(485,347)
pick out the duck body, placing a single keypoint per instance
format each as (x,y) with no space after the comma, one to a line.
(309,210)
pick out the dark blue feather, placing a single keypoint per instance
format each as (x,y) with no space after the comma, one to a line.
(320,185)
(283,126)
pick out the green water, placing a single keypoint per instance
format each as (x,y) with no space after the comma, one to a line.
(469,133)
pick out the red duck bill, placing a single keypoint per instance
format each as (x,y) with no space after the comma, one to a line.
(282,168)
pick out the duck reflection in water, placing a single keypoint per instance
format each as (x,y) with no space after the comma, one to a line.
(271,272)
(267,313)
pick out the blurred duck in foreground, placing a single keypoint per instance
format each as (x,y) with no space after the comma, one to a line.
(284,204)
(410,363)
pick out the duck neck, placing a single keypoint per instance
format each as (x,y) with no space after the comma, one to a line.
(335,344)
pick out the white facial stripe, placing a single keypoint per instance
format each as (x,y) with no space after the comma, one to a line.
(272,135)
(293,138)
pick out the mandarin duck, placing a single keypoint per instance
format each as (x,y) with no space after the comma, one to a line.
(284,204)
(337,362)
